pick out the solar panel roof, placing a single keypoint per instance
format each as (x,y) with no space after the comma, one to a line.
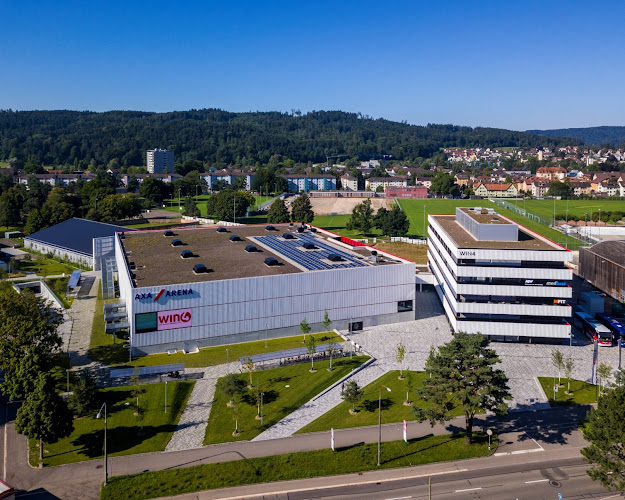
(289,353)
(73,279)
(75,234)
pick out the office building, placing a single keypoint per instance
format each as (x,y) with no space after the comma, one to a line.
(160,159)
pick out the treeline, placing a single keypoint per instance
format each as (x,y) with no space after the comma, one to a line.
(220,138)
(608,136)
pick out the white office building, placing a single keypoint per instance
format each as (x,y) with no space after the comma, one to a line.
(498,278)
(160,159)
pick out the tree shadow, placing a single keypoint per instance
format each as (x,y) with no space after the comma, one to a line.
(371,405)
(279,380)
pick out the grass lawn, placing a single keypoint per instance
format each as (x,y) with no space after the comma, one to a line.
(59,287)
(317,463)
(583,393)
(393,409)
(338,223)
(415,253)
(100,343)
(212,356)
(46,267)
(85,443)
(286,388)
(544,208)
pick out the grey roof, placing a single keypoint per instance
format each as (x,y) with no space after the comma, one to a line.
(612,250)
(75,235)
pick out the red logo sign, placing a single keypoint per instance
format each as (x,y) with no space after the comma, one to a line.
(179,318)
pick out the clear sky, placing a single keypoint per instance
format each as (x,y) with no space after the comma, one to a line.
(515,64)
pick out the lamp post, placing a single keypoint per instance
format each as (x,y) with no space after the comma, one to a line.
(380,421)
(67,371)
(266,334)
(165,396)
(261,408)
(106,464)
(490,433)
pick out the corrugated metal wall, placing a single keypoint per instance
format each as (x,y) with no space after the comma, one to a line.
(603,273)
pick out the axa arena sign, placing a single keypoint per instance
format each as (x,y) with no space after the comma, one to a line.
(179,318)
(154,297)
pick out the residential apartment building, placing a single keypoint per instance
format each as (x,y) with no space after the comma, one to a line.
(349,183)
(373,183)
(497,278)
(539,188)
(551,173)
(227,176)
(160,159)
(302,183)
(506,190)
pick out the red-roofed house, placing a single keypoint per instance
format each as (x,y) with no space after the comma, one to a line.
(487,190)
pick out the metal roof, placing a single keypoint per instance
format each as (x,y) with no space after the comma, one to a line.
(146,370)
(75,235)
(611,250)
(289,353)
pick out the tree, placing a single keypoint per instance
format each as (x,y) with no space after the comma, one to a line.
(229,203)
(190,208)
(43,414)
(153,189)
(302,210)
(10,204)
(326,321)
(352,393)
(462,377)
(563,189)
(409,384)
(230,385)
(84,397)
(444,184)
(362,217)
(604,372)
(332,349)
(278,213)
(249,367)
(400,354)
(392,222)
(606,435)
(569,364)
(557,360)
(311,349)
(305,328)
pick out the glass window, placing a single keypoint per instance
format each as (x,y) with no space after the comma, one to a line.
(145,322)
(404,305)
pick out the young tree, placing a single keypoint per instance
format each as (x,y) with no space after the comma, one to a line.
(326,321)
(278,213)
(606,436)
(230,385)
(463,377)
(43,414)
(249,367)
(604,372)
(332,348)
(569,364)
(302,210)
(84,398)
(305,328)
(400,354)
(557,360)
(311,349)
(190,208)
(362,217)
(352,393)
(409,384)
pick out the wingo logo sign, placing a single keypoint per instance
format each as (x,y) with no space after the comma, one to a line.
(179,318)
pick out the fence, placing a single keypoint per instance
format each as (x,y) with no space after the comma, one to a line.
(412,241)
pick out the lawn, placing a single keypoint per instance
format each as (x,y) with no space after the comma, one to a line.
(393,409)
(544,208)
(286,388)
(583,393)
(101,346)
(200,201)
(46,267)
(338,223)
(123,435)
(218,355)
(59,287)
(317,463)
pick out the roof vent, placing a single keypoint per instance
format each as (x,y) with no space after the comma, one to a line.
(335,257)
(222,230)
(271,261)
(309,246)
(168,233)
(201,269)
(235,237)
(132,265)
(270,228)
(251,248)
(122,236)
(185,254)
(313,229)
(176,243)
(301,229)
(288,236)
(374,252)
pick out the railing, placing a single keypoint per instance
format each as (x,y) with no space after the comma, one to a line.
(412,241)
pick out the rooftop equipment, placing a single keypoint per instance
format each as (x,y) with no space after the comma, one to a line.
(309,246)
(251,248)
(235,237)
(271,261)
(185,254)
(200,269)
(176,243)
(222,230)
(334,257)
(270,228)
(168,233)
(288,236)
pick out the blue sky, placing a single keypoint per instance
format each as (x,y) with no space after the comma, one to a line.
(510,64)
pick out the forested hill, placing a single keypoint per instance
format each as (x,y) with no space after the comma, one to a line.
(590,135)
(221,138)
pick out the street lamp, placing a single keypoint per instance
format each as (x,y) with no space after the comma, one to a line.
(165,396)
(67,371)
(261,408)
(380,421)
(490,433)
(106,464)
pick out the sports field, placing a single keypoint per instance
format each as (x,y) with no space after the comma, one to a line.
(544,208)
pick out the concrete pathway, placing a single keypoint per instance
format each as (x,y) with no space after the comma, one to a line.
(192,424)
(80,319)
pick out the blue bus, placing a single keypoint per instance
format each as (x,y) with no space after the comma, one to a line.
(593,329)
(614,325)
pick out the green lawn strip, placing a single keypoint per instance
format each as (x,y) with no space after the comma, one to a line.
(393,409)
(337,224)
(286,388)
(583,393)
(101,346)
(218,355)
(317,463)
(123,434)
(59,287)
(46,267)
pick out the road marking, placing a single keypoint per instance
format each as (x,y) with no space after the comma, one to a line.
(534,440)
(468,489)
(536,481)
(4,462)
(398,498)
(518,452)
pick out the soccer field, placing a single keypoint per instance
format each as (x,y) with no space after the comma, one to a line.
(544,208)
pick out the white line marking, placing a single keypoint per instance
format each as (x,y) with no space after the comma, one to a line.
(534,440)
(4,462)
(536,481)
(518,452)
(398,498)
(468,489)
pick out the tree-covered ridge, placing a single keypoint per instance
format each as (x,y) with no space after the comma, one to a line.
(590,135)
(222,138)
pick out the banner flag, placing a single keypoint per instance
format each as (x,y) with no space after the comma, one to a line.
(405,432)
(332,438)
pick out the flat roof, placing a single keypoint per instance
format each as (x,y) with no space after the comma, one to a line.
(157,262)
(464,239)
(484,216)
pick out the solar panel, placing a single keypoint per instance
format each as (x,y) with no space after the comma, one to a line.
(74,279)
(146,370)
(122,372)
(289,353)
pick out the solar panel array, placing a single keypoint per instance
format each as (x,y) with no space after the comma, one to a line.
(74,279)
(312,260)
(289,353)
(147,370)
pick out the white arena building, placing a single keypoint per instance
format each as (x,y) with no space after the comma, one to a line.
(184,289)
(498,278)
